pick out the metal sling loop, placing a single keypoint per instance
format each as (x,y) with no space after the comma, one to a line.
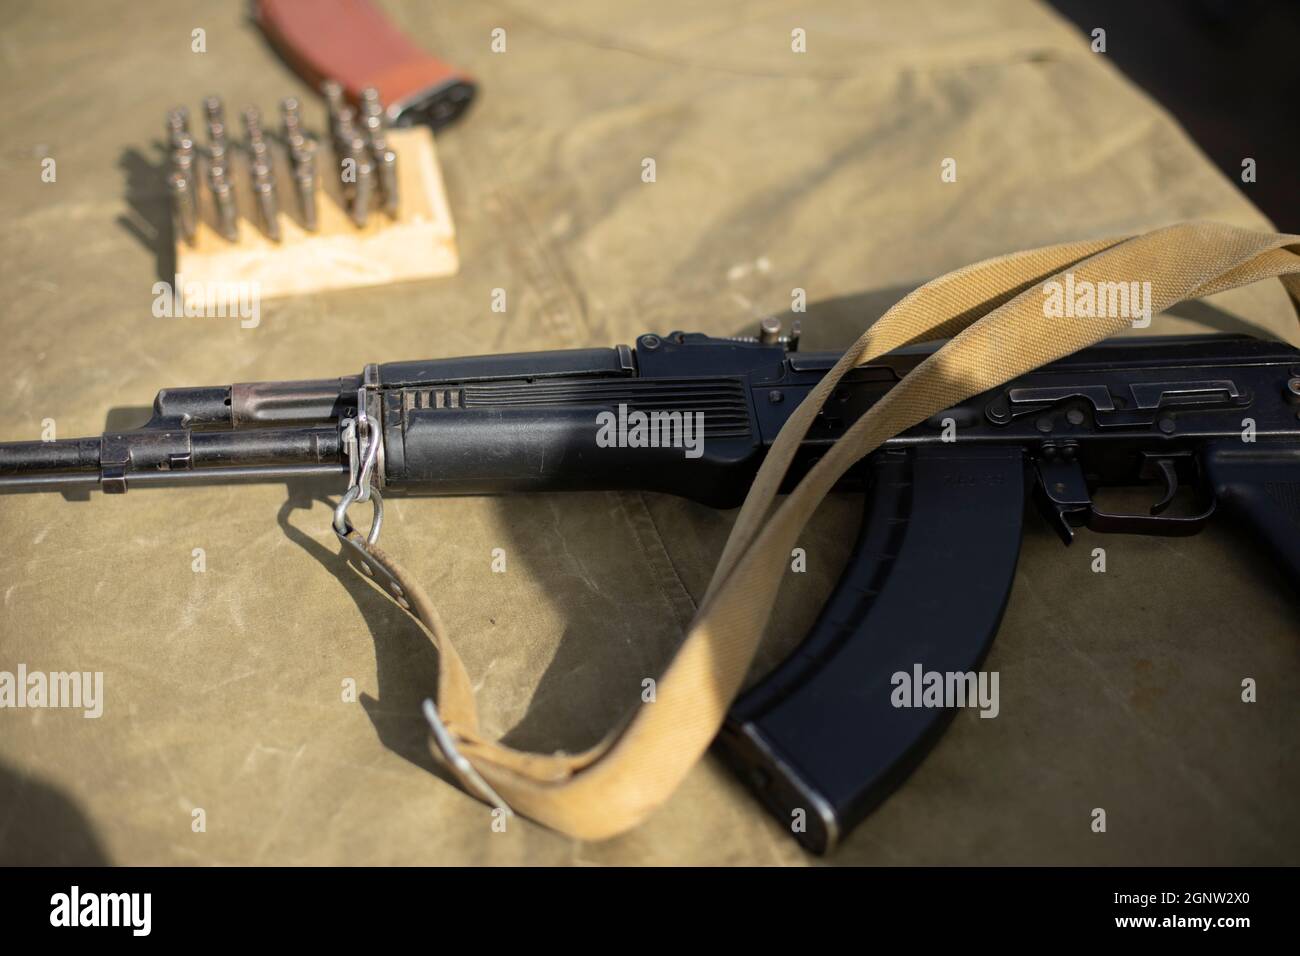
(364,433)
(344,527)
(361,488)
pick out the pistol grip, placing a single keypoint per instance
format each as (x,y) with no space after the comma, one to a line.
(1257,482)
(927,584)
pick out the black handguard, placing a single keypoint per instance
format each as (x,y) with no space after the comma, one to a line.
(819,738)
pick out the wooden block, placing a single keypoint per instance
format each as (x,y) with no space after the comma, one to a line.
(420,243)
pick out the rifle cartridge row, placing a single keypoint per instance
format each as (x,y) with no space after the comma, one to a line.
(366,166)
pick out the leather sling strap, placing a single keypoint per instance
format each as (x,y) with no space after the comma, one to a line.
(994,312)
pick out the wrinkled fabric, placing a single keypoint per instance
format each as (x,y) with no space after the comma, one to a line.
(225,689)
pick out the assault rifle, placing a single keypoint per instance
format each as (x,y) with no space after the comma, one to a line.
(691,415)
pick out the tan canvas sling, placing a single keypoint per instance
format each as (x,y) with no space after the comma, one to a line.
(993,311)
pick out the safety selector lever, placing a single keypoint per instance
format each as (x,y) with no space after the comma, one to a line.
(1062,492)
(1138,403)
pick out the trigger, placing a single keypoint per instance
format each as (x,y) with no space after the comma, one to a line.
(1170,474)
